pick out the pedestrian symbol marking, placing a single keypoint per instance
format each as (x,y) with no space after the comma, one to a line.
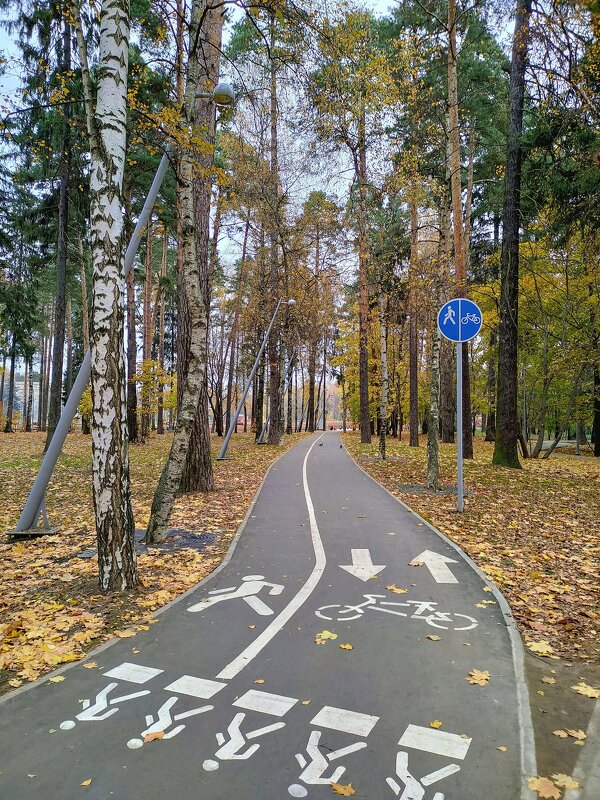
(134,673)
(460,320)
(195,687)
(248,591)
(266,703)
(340,719)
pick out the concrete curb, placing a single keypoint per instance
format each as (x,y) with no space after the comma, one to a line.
(226,559)
(528,754)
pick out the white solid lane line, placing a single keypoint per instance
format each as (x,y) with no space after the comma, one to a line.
(253,649)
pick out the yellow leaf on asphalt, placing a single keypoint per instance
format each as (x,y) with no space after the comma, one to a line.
(86,783)
(434,637)
(396,589)
(345,791)
(502,748)
(488,589)
(260,680)
(415,563)
(305,702)
(56,679)
(480,605)
(547,679)
(541,648)
(581,735)
(346,647)
(585,690)
(435,724)
(89,665)
(252,627)
(478,677)
(561,734)
(565,781)
(544,788)
(322,637)
(153,737)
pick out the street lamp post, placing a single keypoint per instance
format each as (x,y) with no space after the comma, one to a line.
(240,405)
(222,95)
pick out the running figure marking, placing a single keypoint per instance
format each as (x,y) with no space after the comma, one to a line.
(248,591)
(99,710)
(233,750)
(414,789)
(450,316)
(164,721)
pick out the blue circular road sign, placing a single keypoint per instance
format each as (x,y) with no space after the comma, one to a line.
(460,320)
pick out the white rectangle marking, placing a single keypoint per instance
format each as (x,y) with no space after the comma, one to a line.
(134,673)
(275,704)
(340,719)
(195,687)
(432,741)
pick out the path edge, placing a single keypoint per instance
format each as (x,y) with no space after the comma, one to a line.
(526,733)
(226,559)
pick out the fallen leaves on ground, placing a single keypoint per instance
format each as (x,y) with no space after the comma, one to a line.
(581,735)
(435,724)
(433,637)
(324,636)
(544,788)
(260,681)
(547,679)
(56,679)
(51,611)
(415,563)
(585,690)
(396,589)
(561,734)
(478,677)
(153,737)
(503,748)
(87,782)
(533,531)
(565,781)
(346,647)
(541,649)
(345,791)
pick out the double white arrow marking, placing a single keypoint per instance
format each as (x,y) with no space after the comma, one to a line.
(436,564)
(362,565)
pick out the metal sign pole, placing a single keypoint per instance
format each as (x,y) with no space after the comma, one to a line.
(459,427)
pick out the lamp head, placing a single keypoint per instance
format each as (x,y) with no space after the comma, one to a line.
(223,94)
(291,302)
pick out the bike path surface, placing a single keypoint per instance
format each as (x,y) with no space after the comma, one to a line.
(250,706)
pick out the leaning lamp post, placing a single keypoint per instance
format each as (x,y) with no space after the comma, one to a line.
(240,405)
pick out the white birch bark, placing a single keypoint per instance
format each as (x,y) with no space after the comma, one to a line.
(110,459)
(166,492)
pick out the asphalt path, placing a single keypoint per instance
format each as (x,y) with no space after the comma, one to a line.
(229,695)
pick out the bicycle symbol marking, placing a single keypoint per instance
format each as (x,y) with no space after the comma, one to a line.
(421,609)
(471,318)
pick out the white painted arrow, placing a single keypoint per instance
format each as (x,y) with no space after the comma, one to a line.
(436,564)
(362,566)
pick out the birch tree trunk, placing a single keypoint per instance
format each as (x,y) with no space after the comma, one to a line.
(110,459)
(195,379)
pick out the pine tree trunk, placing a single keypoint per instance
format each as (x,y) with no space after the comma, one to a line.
(29,398)
(110,458)
(490,426)
(363,278)
(383,400)
(413,323)
(274,344)
(433,463)
(8,426)
(457,222)
(505,449)
(55,405)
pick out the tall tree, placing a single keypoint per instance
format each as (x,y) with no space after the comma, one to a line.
(505,448)
(106,119)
